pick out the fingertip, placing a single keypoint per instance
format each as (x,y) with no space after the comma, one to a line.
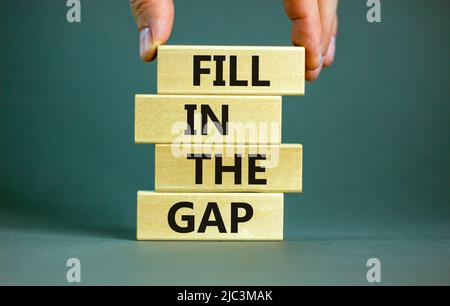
(147,47)
(329,57)
(148,56)
(312,75)
(154,19)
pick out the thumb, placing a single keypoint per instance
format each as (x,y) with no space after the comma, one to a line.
(154,19)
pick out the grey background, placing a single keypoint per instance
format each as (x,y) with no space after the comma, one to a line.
(374,127)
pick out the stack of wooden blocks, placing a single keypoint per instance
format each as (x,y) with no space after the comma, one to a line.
(220,167)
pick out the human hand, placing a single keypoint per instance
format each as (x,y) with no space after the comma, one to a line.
(154,19)
(314,26)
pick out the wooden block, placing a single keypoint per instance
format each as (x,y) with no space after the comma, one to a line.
(209,216)
(231,70)
(219,168)
(229,119)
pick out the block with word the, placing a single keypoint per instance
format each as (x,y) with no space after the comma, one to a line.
(209,216)
(228,168)
(208,119)
(231,70)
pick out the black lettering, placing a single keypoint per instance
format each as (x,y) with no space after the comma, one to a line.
(198,71)
(253,168)
(190,119)
(189,218)
(255,73)
(219,81)
(237,169)
(198,165)
(235,219)
(208,112)
(218,221)
(233,73)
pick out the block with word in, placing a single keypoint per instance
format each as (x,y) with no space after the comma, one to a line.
(209,216)
(228,168)
(231,70)
(208,119)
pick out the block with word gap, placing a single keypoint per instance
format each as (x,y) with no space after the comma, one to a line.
(231,70)
(228,168)
(209,216)
(208,119)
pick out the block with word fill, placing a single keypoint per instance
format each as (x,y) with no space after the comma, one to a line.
(231,70)
(209,216)
(228,168)
(208,119)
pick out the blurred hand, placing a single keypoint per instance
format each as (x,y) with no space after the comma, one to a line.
(314,26)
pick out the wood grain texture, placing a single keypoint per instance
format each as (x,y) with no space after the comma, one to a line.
(177,168)
(283,67)
(153,215)
(251,119)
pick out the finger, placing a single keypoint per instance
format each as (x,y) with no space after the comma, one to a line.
(327,10)
(313,74)
(306,29)
(154,19)
(329,57)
